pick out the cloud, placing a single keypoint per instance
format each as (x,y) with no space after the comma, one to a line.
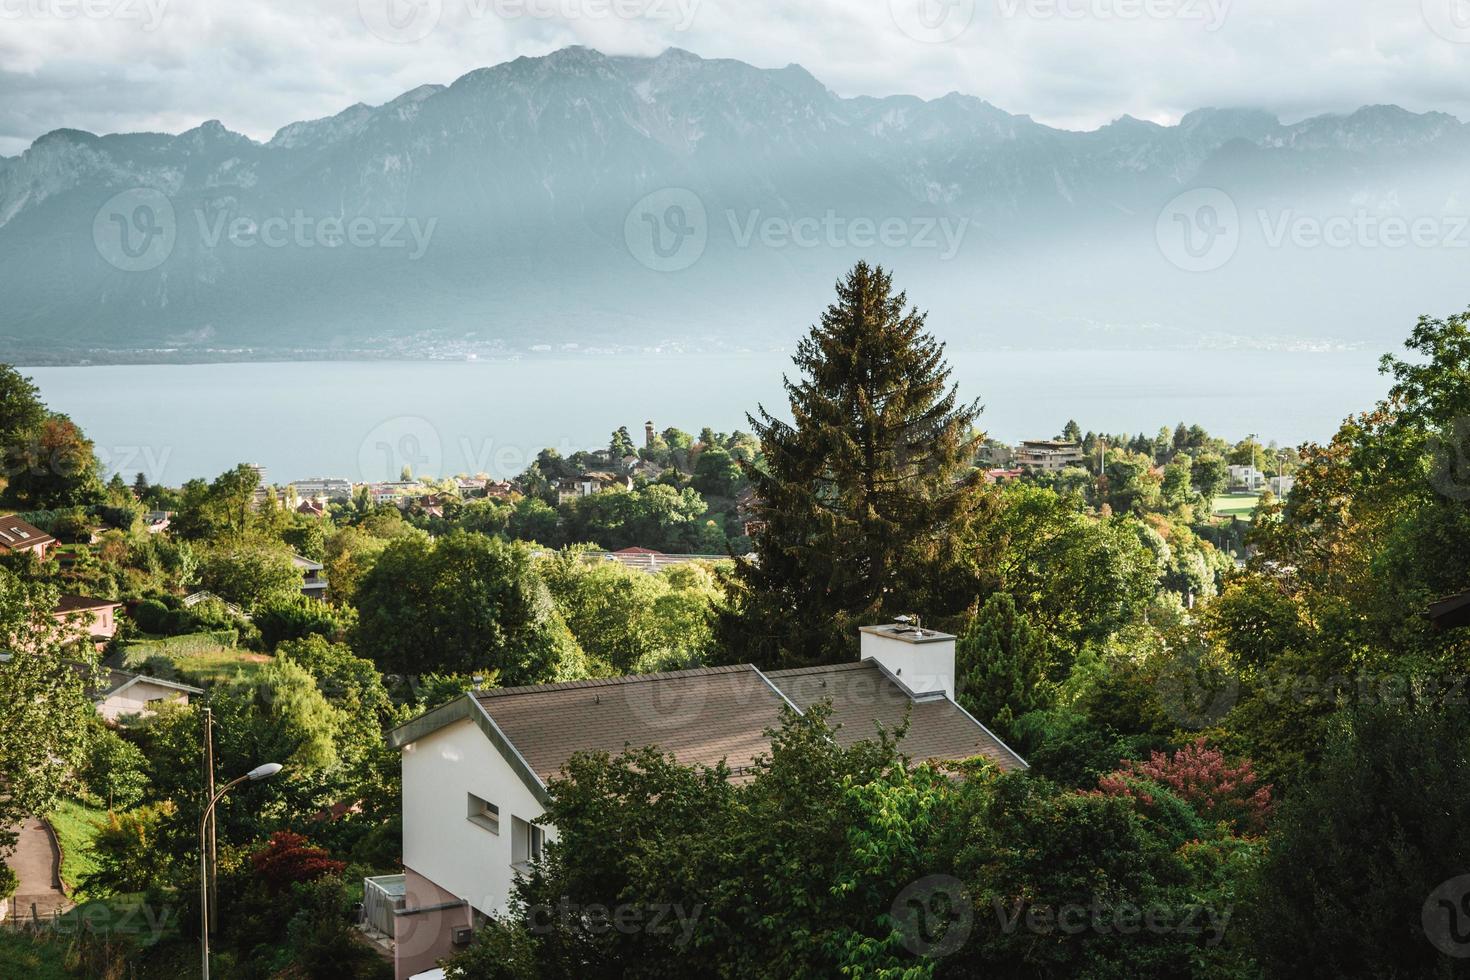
(128,65)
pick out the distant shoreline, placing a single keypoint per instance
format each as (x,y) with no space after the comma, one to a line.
(155,357)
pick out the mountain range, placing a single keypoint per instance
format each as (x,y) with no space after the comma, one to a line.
(593,202)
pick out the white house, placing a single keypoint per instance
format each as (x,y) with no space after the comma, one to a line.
(476,770)
(1281,485)
(123,693)
(1246,478)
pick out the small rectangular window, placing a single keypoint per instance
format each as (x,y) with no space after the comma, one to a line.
(526,841)
(483,813)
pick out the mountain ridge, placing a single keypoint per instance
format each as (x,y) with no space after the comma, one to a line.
(524,176)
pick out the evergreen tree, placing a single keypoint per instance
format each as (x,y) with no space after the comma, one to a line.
(866,495)
(1072,432)
(1001,661)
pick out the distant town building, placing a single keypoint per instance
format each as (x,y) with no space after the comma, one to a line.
(1281,485)
(325,488)
(156,521)
(1246,478)
(1049,455)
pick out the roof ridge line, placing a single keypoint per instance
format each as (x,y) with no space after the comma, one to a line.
(613,681)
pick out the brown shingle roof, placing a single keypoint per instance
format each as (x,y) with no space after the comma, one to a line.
(700,716)
(863,696)
(76,603)
(16,533)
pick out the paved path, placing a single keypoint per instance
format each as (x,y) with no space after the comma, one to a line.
(35,863)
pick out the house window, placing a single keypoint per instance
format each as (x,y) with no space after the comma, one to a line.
(526,840)
(483,813)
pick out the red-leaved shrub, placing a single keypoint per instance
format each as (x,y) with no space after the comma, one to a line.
(1200,776)
(288,859)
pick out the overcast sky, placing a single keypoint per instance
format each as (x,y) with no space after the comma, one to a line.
(127,65)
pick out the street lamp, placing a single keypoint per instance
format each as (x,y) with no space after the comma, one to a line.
(255,775)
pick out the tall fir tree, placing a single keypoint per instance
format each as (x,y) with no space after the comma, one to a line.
(865,496)
(1001,661)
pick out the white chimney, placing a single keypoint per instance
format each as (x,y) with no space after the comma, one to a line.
(921,659)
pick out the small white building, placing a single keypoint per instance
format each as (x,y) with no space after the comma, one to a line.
(476,770)
(123,693)
(1281,485)
(1246,478)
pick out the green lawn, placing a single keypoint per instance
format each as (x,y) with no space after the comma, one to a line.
(39,958)
(217,666)
(1236,504)
(199,658)
(75,825)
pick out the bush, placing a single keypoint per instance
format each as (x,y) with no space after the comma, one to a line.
(298,617)
(116,771)
(289,860)
(9,881)
(150,615)
(130,851)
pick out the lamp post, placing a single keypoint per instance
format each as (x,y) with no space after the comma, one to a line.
(255,775)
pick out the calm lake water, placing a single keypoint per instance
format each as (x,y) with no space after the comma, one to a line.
(366,420)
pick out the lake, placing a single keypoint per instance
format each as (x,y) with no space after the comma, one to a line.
(366,420)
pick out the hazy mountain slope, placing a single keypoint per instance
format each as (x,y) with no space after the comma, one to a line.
(498,209)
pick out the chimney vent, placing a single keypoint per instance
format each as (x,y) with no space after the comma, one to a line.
(923,658)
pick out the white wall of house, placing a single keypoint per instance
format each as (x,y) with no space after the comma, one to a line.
(440,841)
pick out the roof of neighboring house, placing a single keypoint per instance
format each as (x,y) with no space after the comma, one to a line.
(701,716)
(120,680)
(1451,611)
(306,564)
(635,550)
(16,533)
(705,716)
(864,695)
(78,603)
(114,681)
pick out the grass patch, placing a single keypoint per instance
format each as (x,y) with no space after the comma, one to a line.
(195,658)
(32,957)
(1236,504)
(218,666)
(75,825)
